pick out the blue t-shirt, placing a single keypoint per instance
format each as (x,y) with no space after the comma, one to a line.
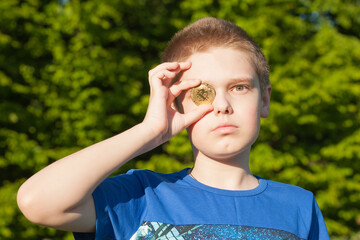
(143,204)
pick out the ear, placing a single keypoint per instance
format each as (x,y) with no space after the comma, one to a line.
(265,101)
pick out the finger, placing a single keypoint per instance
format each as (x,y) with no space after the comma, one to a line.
(162,78)
(165,75)
(197,114)
(180,86)
(185,65)
(171,66)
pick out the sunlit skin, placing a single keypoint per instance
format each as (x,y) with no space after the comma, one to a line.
(224,137)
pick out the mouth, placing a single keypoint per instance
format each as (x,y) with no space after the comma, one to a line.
(225,129)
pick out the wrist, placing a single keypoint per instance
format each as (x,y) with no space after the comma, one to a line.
(151,137)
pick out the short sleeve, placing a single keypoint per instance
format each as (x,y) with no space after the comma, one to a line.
(318,230)
(119,204)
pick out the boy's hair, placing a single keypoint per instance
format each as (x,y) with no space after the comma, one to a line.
(210,32)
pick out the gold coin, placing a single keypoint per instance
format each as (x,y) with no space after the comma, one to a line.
(203,94)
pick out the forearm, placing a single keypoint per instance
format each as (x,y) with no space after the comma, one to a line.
(60,195)
(69,181)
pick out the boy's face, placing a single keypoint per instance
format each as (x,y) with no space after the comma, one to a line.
(233,126)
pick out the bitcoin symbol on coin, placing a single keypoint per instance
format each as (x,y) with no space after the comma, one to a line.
(203,94)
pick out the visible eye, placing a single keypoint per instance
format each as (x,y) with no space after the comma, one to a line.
(240,88)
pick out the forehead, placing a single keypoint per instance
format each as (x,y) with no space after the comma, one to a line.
(219,64)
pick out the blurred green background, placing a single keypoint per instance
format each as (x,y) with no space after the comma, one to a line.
(74,72)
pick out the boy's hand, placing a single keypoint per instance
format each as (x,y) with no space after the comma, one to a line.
(161,117)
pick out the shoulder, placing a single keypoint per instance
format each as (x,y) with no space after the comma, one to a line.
(147,173)
(145,177)
(290,194)
(293,202)
(285,188)
(132,185)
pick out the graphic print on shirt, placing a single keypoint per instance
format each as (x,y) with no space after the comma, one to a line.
(164,231)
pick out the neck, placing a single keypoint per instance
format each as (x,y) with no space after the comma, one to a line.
(228,174)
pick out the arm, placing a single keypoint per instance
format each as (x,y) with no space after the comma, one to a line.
(60,195)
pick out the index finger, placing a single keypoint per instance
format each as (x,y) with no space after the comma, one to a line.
(170,66)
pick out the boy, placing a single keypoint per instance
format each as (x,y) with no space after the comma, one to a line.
(218,198)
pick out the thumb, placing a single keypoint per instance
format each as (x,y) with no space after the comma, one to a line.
(197,114)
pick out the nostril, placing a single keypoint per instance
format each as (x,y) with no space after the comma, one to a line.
(223,110)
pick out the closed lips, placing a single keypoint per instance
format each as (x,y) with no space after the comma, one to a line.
(225,128)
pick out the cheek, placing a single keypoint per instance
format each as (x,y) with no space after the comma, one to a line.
(252,107)
(253,122)
(248,116)
(253,116)
(253,113)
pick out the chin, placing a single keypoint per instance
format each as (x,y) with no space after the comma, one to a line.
(224,148)
(227,155)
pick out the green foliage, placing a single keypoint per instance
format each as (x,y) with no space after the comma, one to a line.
(75,73)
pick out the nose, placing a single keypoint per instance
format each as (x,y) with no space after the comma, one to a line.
(222,104)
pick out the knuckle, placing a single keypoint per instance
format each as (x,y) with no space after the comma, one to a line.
(172,74)
(171,65)
(150,72)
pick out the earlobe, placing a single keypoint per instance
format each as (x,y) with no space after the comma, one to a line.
(265,102)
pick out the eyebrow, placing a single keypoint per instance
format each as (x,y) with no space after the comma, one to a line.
(232,80)
(237,80)
(242,79)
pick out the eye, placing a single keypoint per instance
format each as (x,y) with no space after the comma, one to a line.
(239,88)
